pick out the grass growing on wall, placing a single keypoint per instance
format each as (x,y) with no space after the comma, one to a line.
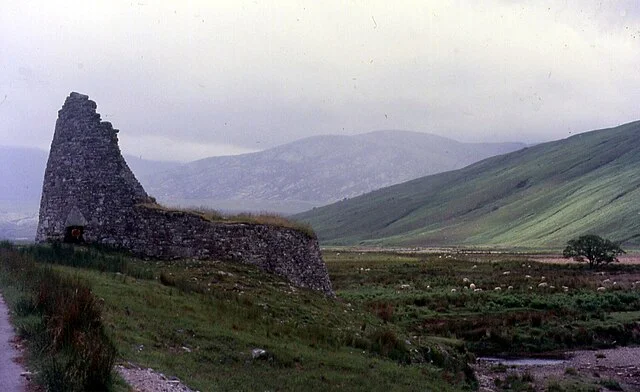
(268,219)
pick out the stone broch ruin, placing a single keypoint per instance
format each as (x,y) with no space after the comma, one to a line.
(90,195)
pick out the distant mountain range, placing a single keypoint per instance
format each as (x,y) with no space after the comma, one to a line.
(315,171)
(290,178)
(540,196)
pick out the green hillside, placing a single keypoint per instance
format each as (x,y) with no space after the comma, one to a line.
(536,197)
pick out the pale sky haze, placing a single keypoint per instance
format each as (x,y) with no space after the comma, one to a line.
(187,79)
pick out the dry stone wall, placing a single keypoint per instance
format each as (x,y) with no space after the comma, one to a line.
(90,195)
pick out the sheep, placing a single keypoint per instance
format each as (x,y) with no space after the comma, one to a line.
(606,281)
(405,286)
(472,286)
(510,288)
(506,273)
(465,280)
(527,276)
(453,290)
(474,266)
(565,288)
(497,288)
(543,278)
(601,288)
(477,290)
(543,284)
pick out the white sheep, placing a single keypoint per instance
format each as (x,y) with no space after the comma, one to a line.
(527,276)
(477,290)
(543,284)
(601,288)
(498,288)
(506,273)
(606,281)
(465,280)
(543,278)
(453,290)
(472,286)
(510,288)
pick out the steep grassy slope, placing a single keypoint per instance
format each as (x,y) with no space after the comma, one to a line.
(536,197)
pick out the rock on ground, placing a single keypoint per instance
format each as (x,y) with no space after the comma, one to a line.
(148,380)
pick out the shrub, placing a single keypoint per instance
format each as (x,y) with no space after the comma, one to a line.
(386,343)
(62,325)
(611,385)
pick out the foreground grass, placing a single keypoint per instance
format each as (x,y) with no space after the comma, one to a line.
(401,321)
(60,321)
(201,322)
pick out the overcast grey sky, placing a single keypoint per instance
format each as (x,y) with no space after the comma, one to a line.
(187,79)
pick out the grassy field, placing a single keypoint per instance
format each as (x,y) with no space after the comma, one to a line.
(541,196)
(400,322)
(524,307)
(201,321)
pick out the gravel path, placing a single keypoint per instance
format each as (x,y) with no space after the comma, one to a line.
(10,370)
(619,364)
(148,380)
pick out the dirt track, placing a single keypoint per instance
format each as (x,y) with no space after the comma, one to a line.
(624,259)
(10,370)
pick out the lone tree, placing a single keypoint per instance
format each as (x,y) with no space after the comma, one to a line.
(595,249)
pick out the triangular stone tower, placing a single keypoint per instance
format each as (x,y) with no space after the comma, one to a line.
(90,195)
(87,181)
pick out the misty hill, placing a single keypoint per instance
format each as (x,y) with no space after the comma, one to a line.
(540,196)
(21,173)
(316,170)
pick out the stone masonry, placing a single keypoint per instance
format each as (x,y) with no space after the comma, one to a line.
(90,195)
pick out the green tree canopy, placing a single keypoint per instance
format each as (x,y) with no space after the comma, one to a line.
(595,249)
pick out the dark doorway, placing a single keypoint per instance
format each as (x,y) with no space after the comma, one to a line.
(73,234)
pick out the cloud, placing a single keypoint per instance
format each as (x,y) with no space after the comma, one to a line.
(256,75)
(165,148)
